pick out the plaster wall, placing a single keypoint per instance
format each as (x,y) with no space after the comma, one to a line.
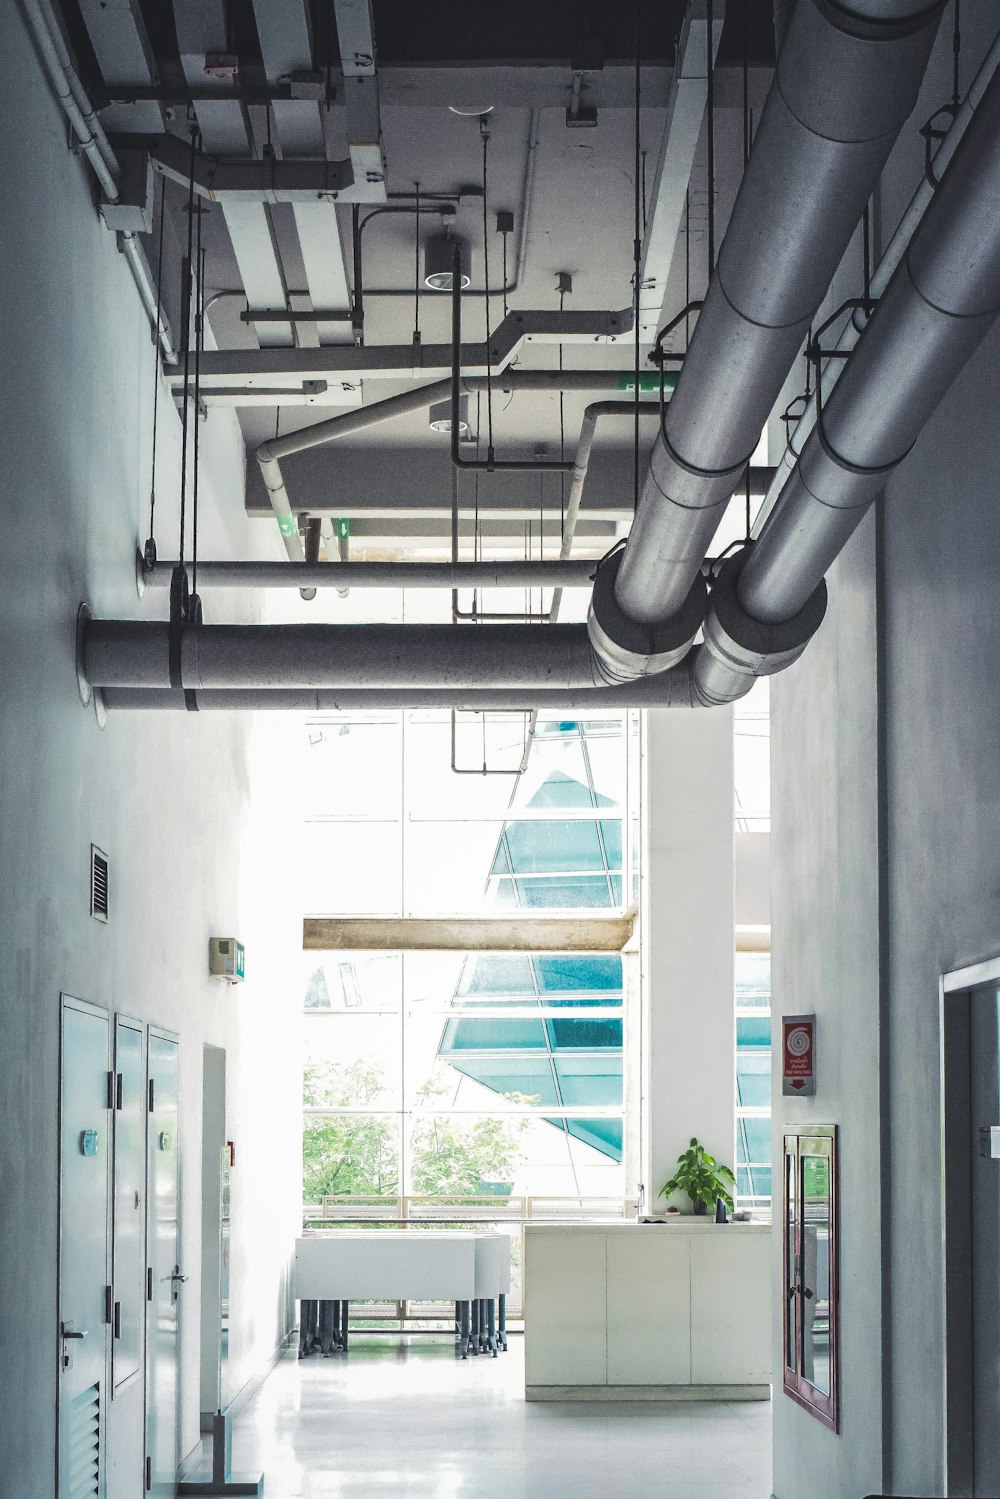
(885,875)
(168,800)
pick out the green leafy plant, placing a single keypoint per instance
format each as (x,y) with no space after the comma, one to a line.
(701,1177)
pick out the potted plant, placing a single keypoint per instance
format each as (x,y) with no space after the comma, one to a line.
(702,1178)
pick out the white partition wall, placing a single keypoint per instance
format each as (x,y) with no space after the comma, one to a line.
(687,925)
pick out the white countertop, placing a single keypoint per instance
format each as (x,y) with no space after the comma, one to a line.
(683,1223)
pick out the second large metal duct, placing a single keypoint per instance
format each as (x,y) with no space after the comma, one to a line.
(127,653)
(940,303)
(845,82)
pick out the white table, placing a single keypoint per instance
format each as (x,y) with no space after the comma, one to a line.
(342,1265)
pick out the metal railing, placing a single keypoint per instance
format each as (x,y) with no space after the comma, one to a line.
(508,1214)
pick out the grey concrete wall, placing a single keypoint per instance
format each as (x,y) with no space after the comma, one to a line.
(939,861)
(168,800)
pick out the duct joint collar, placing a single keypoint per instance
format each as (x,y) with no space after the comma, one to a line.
(625,648)
(737,646)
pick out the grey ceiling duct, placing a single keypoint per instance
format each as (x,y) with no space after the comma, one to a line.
(942,300)
(844,85)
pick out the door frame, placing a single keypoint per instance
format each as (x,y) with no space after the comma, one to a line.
(69,1001)
(163,1033)
(955,991)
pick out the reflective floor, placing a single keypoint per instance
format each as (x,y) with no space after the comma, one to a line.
(399,1418)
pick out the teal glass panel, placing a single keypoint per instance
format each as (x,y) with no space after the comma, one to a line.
(471,1034)
(597,1083)
(604,1135)
(497,973)
(590,1035)
(579,892)
(753,1079)
(753,1181)
(500,893)
(593,973)
(611,832)
(753,1140)
(500,864)
(529,1076)
(616,891)
(753,1031)
(552,847)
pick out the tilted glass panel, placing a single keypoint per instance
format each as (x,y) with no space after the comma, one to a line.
(753,1081)
(528,1078)
(593,972)
(492,1034)
(754,1032)
(554,847)
(574,893)
(593,1081)
(589,1035)
(497,974)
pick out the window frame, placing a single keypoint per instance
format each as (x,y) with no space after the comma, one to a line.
(817,1140)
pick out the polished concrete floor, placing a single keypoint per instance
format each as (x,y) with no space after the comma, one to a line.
(407,1419)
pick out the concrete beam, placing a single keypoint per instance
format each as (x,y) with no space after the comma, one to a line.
(468,934)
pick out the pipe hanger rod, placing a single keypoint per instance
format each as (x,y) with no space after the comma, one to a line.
(578,573)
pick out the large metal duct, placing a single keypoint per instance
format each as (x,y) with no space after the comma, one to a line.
(131,653)
(940,303)
(846,80)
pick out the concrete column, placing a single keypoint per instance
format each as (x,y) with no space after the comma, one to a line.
(687,938)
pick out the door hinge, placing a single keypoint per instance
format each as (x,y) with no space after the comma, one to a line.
(149,1474)
(152,1092)
(149,1285)
(118,1319)
(119,1090)
(109,1304)
(111,1090)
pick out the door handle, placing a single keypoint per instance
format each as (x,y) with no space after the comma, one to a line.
(68,1332)
(181,1278)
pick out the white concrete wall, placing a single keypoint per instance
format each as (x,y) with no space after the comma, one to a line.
(921,835)
(166,796)
(687,939)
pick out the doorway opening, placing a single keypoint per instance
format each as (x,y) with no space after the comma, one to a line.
(214,1238)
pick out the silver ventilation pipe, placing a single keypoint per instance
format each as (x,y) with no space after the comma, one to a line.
(939,305)
(845,83)
(670,690)
(894,251)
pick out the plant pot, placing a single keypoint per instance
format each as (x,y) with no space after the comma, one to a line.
(700,1210)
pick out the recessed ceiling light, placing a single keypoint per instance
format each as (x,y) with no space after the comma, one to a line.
(440,416)
(465,111)
(439,261)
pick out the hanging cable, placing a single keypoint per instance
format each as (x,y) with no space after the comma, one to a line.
(505,275)
(416,260)
(484,130)
(199,344)
(956,55)
(149,551)
(746,82)
(710,120)
(562,438)
(636,256)
(186,296)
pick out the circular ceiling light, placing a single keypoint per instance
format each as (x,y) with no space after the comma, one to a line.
(439,260)
(472,114)
(440,416)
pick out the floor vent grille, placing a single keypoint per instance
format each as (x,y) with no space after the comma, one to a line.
(84,1466)
(98,883)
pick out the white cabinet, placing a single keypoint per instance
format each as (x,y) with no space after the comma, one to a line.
(654,1311)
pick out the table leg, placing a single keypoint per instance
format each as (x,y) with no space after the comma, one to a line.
(502,1321)
(337,1336)
(327,1333)
(306,1317)
(344,1306)
(491,1336)
(465,1327)
(474,1329)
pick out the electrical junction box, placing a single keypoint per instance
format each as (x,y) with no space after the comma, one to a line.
(226,959)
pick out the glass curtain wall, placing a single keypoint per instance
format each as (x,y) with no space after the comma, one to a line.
(465,1073)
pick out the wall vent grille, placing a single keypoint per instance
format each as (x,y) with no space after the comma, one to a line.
(98,883)
(84,1465)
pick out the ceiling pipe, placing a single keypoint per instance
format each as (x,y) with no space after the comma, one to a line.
(132,653)
(671,690)
(844,85)
(529,574)
(70,93)
(941,302)
(895,250)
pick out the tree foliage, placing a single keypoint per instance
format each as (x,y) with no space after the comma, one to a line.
(358,1155)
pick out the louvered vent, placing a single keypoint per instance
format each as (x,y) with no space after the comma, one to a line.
(83,1469)
(98,883)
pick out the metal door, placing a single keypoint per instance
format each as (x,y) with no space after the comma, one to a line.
(129,1239)
(985,1197)
(84,1247)
(163,1272)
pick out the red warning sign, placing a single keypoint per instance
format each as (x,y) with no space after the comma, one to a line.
(798,1034)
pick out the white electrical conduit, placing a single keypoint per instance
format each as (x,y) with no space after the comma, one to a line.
(895,250)
(88,129)
(95,146)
